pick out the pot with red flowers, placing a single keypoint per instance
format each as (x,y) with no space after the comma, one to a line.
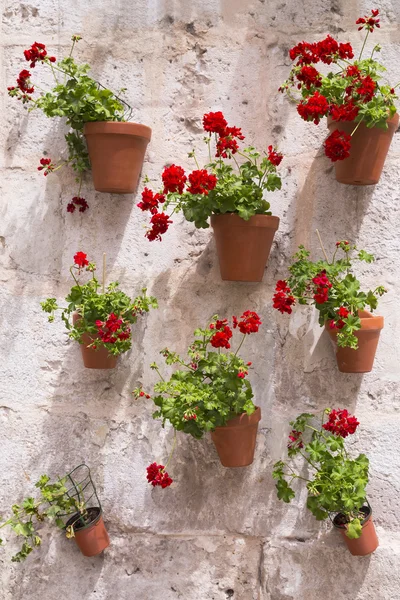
(210,392)
(357,101)
(100,318)
(229,191)
(71,503)
(333,289)
(336,483)
(113,149)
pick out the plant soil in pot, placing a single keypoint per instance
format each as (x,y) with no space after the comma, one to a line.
(116,152)
(92,538)
(369,147)
(367,542)
(235,442)
(243,247)
(360,360)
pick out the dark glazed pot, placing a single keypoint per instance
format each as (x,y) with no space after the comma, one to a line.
(243,247)
(235,442)
(369,147)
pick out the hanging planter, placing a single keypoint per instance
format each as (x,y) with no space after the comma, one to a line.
(230,193)
(359,106)
(336,483)
(235,442)
(99,320)
(368,151)
(361,359)
(209,392)
(368,541)
(334,290)
(243,247)
(74,494)
(116,152)
(99,137)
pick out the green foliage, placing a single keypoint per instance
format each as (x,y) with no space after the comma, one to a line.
(91,305)
(53,500)
(336,483)
(237,191)
(205,392)
(344,293)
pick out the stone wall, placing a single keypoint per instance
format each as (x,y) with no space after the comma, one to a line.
(216,533)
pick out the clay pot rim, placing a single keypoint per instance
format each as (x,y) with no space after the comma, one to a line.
(242,420)
(119,127)
(233,219)
(392,120)
(369,322)
(364,522)
(89,525)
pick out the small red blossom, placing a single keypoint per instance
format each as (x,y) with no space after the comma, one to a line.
(321,280)
(366,88)
(226,145)
(160,223)
(341,423)
(24,83)
(321,295)
(369,22)
(47,165)
(37,53)
(337,145)
(242,374)
(215,122)
(249,322)
(344,112)
(150,201)
(234,132)
(305,52)
(346,51)
(201,182)
(76,201)
(352,71)
(282,299)
(174,179)
(327,49)
(309,76)
(220,339)
(314,108)
(343,312)
(274,157)
(295,439)
(249,364)
(80,259)
(156,475)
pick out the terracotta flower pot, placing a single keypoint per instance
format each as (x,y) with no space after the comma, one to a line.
(362,359)
(369,147)
(93,538)
(95,358)
(235,442)
(116,152)
(367,542)
(243,247)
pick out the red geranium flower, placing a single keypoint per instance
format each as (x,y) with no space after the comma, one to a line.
(314,108)
(309,76)
(174,179)
(225,145)
(337,145)
(369,23)
(305,52)
(340,423)
(249,322)
(344,112)
(160,223)
(220,339)
(366,88)
(156,475)
(215,122)
(295,439)
(274,157)
(327,49)
(201,182)
(150,201)
(76,201)
(343,312)
(80,259)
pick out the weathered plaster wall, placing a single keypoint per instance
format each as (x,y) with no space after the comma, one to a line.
(216,533)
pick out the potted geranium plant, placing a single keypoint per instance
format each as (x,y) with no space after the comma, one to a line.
(336,483)
(209,392)
(333,289)
(116,148)
(73,496)
(99,318)
(228,192)
(360,108)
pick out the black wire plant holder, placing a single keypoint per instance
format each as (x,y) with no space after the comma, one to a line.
(83,492)
(128,110)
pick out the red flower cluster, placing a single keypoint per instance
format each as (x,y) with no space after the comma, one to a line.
(174,179)
(151,201)
(314,108)
(242,374)
(341,423)
(159,225)
(369,23)
(274,157)
(323,286)
(342,313)
(221,337)
(326,51)
(366,88)
(282,299)
(309,76)
(226,144)
(76,201)
(249,322)
(37,53)
(80,259)
(295,439)
(47,165)
(337,145)
(113,325)
(24,83)
(201,182)
(156,475)
(344,112)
